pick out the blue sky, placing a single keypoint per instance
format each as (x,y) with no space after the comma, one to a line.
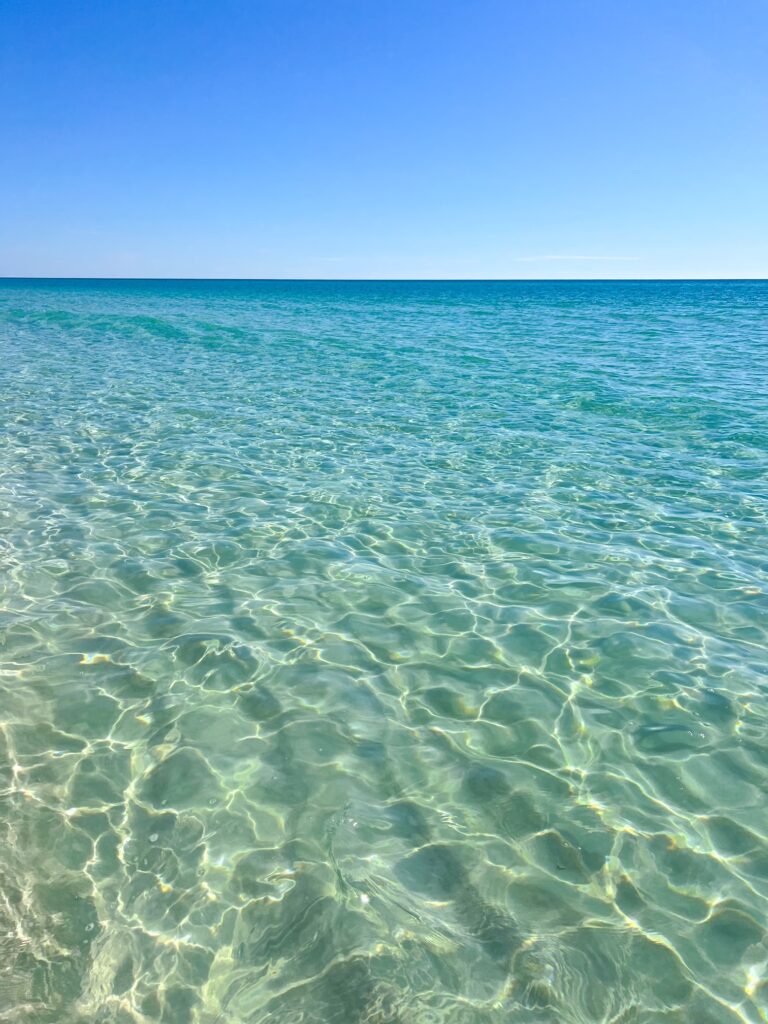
(384,138)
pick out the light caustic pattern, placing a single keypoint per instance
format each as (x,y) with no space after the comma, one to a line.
(383,653)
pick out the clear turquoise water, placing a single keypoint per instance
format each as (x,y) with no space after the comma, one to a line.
(385,653)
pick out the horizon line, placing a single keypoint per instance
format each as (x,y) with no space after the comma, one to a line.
(384,280)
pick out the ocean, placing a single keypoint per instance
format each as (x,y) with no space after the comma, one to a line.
(383,652)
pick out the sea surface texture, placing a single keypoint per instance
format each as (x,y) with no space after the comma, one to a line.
(383,653)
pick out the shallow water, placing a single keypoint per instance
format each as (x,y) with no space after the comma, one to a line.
(385,653)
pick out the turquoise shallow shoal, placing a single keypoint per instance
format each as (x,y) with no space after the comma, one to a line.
(383,653)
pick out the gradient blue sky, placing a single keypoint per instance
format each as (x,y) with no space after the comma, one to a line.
(395,138)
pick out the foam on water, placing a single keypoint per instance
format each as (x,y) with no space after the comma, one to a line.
(384,653)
